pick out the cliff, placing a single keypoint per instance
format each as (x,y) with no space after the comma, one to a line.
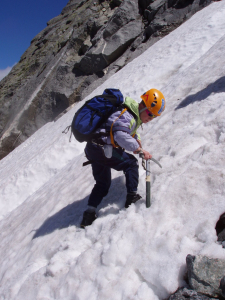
(77,51)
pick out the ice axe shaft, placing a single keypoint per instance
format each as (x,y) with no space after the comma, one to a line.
(148,184)
(148,178)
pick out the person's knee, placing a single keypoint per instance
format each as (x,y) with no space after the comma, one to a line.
(134,164)
(132,168)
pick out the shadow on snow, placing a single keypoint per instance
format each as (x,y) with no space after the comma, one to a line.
(217,87)
(71,215)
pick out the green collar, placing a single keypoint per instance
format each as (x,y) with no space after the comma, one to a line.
(134,107)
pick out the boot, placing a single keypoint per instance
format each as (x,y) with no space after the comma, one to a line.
(132,198)
(88,218)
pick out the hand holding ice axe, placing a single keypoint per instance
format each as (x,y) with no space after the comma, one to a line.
(148,179)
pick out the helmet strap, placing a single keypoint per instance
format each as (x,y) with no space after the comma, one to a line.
(143,109)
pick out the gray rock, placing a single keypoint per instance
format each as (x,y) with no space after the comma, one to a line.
(221,236)
(92,63)
(106,52)
(144,4)
(116,45)
(155,6)
(126,13)
(115,3)
(184,293)
(172,16)
(205,274)
(222,286)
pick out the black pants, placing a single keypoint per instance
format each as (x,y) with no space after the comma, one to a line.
(101,168)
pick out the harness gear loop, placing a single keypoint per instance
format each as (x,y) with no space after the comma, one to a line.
(111,133)
(66,130)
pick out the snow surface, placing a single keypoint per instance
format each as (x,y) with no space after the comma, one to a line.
(137,253)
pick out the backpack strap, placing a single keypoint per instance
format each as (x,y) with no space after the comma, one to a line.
(111,132)
(111,98)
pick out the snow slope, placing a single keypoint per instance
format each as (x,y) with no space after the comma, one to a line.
(136,253)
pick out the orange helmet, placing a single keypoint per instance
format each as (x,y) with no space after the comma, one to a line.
(154,101)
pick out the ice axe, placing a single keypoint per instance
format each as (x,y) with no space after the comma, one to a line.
(148,179)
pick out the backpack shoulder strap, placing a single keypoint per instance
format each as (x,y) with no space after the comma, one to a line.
(111,98)
(111,132)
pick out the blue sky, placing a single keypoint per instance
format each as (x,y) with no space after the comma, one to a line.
(20,22)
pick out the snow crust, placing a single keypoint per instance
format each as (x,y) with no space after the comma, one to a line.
(137,253)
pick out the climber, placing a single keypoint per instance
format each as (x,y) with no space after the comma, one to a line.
(109,151)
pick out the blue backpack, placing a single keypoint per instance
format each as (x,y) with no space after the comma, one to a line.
(94,113)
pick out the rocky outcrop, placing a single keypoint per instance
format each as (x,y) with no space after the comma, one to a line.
(77,51)
(187,293)
(206,275)
(205,279)
(113,39)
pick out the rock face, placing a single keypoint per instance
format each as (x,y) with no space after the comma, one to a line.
(205,280)
(77,51)
(205,275)
(184,294)
(112,40)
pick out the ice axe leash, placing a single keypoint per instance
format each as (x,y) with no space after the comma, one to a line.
(148,178)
